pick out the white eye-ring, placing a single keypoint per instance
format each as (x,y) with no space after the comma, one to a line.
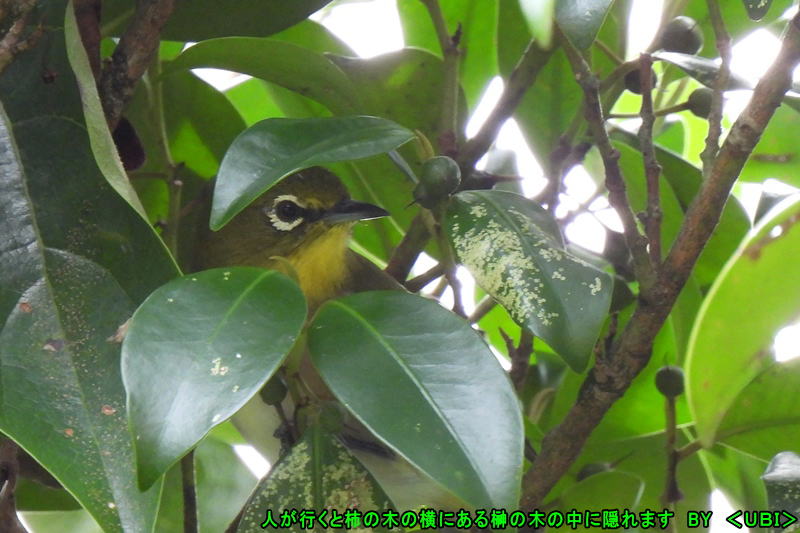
(287,212)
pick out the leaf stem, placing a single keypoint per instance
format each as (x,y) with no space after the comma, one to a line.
(189,493)
(708,155)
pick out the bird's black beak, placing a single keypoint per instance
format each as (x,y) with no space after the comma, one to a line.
(350,211)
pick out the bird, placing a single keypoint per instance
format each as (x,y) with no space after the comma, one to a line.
(306,220)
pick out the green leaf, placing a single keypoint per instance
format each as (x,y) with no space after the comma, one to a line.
(645,459)
(274,148)
(761,432)
(703,70)
(197,349)
(318,474)
(513,248)
(253,101)
(737,474)
(756,9)
(223,483)
(405,86)
(467,438)
(580,20)
(200,122)
(775,155)
(200,20)
(723,360)
(99,136)
(62,388)
(548,107)
(296,68)
(737,23)
(75,260)
(477,46)
(606,490)
(539,16)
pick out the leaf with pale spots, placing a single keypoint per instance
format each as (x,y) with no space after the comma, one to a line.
(514,250)
(197,349)
(450,409)
(318,474)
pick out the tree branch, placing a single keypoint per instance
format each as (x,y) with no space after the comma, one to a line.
(723,41)
(521,78)
(611,376)
(617,197)
(652,170)
(132,56)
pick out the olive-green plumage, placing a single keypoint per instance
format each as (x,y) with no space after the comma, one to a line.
(307,219)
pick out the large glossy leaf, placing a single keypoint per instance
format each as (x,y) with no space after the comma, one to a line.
(318,474)
(513,248)
(197,349)
(291,66)
(199,20)
(580,20)
(450,411)
(76,259)
(274,148)
(724,356)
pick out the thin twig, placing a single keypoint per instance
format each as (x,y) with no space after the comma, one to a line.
(652,170)
(520,356)
(672,493)
(451,54)
(522,77)
(608,380)
(617,196)
(418,283)
(723,40)
(486,304)
(406,253)
(19,37)
(132,56)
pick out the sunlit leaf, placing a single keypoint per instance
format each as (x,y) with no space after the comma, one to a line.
(724,360)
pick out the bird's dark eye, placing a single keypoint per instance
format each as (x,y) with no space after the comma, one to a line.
(288,211)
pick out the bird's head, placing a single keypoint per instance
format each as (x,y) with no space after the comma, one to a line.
(307,212)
